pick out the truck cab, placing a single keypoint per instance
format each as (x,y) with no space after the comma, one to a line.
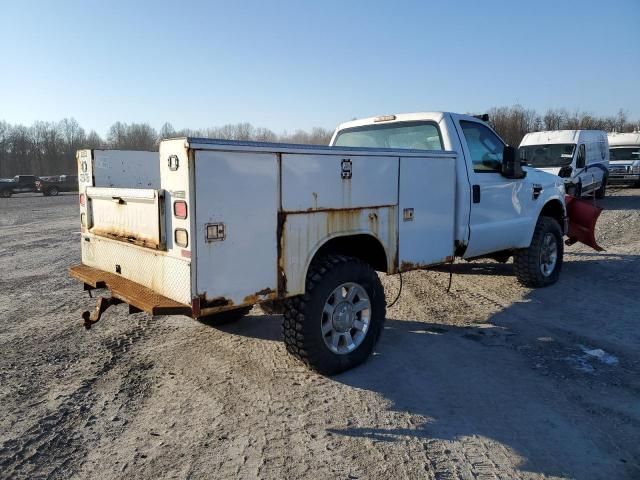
(497,201)
(580,157)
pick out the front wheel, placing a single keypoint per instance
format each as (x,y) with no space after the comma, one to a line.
(335,325)
(53,191)
(5,193)
(540,264)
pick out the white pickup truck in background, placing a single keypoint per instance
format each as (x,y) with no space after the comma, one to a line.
(224,225)
(624,151)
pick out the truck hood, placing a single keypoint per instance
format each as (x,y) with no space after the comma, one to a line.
(545,177)
(551,170)
(623,163)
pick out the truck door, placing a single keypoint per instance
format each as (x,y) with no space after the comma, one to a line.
(500,207)
(585,177)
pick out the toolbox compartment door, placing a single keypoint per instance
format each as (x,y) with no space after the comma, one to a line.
(132,215)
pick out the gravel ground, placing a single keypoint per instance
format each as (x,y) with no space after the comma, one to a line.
(489,380)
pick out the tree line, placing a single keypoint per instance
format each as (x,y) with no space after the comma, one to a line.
(48,148)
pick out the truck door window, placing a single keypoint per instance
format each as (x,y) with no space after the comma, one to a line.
(485,147)
(403,135)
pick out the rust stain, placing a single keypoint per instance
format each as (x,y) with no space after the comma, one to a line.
(340,209)
(261,296)
(264,292)
(214,302)
(124,236)
(282,277)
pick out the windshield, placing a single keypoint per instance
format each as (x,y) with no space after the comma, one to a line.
(626,153)
(549,155)
(403,135)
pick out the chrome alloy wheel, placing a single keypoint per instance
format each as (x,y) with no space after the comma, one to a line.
(548,254)
(346,317)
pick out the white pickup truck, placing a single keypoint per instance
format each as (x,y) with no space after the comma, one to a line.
(219,226)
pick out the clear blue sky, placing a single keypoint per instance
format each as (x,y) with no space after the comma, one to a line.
(298,64)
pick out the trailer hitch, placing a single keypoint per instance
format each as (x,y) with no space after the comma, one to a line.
(101,306)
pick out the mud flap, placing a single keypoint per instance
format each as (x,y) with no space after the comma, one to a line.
(582,216)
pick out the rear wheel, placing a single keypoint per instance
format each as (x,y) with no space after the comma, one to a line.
(540,264)
(335,325)
(222,318)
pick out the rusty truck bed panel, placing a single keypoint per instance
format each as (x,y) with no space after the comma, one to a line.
(130,292)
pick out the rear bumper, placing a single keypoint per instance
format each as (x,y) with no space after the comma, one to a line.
(133,293)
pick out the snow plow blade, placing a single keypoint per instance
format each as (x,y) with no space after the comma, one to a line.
(583,216)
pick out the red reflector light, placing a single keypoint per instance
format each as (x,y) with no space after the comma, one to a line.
(180,209)
(82,199)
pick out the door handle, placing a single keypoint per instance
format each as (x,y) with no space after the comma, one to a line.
(476,193)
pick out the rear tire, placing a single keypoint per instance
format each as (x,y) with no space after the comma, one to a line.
(223,318)
(540,264)
(336,324)
(602,191)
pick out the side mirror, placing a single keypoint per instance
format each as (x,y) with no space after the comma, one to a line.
(511,167)
(523,157)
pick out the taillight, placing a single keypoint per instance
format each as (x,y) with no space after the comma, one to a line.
(180,209)
(82,199)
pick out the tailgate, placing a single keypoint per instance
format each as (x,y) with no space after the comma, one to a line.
(133,215)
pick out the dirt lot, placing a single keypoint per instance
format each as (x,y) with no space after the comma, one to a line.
(490,380)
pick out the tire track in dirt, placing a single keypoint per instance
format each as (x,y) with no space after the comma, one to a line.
(55,446)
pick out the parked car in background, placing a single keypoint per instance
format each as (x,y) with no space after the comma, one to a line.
(624,151)
(18,184)
(54,185)
(580,157)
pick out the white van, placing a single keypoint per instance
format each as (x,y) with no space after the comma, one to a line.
(581,157)
(624,150)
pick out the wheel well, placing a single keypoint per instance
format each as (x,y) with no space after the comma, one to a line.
(554,210)
(363,246)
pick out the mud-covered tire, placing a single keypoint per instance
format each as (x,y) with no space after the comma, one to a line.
(528,261)
(602,191)
(304,314)
(222,318)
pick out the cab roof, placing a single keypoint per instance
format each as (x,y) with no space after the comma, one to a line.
(622,139)
(563,136)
